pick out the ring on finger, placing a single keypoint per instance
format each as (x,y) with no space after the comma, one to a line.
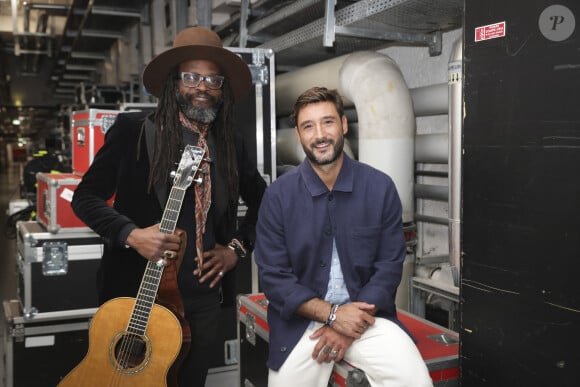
(334,353)
(221,273)
(168,254)
(326,350)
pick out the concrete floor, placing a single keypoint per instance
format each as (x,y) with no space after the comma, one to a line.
(10,191)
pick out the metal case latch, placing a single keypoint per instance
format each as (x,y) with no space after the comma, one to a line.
(251,329)
(108,121)
(357,378)
(54,258)
(81,136)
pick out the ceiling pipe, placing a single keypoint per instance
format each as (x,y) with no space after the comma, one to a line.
(427,100)
(41,27)
(386,121)
(14,6)
(432,148)
(430,100)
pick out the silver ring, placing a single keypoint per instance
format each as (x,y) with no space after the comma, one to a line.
(334,353)
(168,254)
(221,273)
(326,349)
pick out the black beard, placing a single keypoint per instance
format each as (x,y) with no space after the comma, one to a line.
(197,114)
(337,151)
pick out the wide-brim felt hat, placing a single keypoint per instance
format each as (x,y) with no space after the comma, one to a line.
(198,43)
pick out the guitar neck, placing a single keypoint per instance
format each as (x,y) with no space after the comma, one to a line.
(153,272)
(172,209)
(147,293)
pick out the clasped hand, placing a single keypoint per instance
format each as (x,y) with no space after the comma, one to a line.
(352,320)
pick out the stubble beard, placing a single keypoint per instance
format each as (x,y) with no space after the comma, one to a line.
(337,148)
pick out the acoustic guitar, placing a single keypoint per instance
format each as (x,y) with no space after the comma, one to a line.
(136,341)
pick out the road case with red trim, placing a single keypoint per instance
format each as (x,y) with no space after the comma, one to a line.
(53,197)
(438,347)
(89,128)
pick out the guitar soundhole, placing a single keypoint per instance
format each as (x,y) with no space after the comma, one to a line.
(130,352)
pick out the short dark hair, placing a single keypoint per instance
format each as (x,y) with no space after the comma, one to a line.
(315,95)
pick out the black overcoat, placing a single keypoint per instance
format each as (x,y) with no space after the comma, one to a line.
(120,169)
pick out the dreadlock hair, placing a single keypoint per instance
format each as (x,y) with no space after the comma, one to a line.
(169,139)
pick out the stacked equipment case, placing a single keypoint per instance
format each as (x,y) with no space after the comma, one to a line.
(39,351)
(89,128)
(57,272)
(438,346)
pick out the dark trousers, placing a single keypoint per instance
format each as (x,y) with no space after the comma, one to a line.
(202,313)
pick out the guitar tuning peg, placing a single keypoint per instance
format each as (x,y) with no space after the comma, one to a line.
(172,174)
(199,180)
(207,159)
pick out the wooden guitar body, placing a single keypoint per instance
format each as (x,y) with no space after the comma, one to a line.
(124,359)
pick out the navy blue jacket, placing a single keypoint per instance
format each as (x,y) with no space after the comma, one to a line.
(297,222)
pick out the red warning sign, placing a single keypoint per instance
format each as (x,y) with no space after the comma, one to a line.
(490,31)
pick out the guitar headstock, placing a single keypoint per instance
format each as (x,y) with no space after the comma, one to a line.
(188,166)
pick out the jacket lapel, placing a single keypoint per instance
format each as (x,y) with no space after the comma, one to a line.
(160,188)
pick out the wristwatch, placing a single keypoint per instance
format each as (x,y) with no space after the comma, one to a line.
(238,248)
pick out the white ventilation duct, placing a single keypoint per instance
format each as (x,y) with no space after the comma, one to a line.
(385,107)
(386,121)
(290,85)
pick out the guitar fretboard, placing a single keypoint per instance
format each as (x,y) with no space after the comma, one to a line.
(152,277)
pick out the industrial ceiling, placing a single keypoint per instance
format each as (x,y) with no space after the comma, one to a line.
(48,47)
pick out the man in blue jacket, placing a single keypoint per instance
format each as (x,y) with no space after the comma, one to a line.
(330,249)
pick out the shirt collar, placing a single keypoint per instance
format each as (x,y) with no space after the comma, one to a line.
(316,187)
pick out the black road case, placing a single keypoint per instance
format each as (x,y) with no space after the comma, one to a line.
(42,350)
(57,272)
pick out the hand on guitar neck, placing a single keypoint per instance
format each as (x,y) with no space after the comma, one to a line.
(153,244)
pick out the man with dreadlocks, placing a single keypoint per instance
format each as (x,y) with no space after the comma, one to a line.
(197,81)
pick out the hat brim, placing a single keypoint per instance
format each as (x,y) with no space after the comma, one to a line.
(232,66)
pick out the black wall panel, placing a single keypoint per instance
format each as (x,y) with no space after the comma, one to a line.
(520,289)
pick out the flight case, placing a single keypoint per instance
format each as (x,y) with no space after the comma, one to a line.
(42,350)
(438,347)
(56,272)
(53,202)
(89,128)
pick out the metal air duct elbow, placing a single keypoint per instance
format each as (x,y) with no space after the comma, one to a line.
(386,121)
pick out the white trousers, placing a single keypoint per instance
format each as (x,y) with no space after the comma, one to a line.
(385,353)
